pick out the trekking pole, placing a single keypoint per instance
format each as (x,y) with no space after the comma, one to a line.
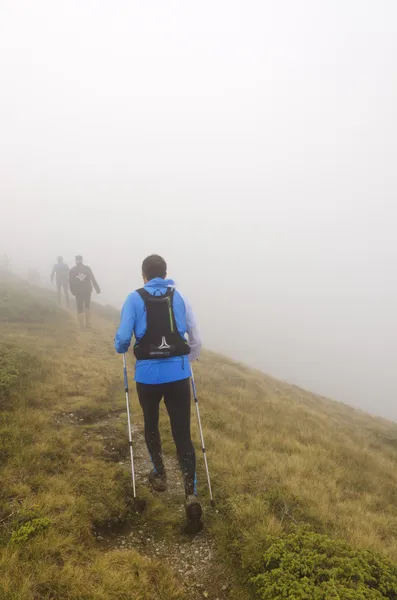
(202,440)
(139,504)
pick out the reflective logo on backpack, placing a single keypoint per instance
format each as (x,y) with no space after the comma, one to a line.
(164,345)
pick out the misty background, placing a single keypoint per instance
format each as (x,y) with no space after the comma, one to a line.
(251,143)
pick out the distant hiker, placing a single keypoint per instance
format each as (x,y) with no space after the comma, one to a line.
(159,318)
(81,282)
(60,272)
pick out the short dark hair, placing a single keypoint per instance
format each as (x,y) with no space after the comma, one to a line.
(154,266)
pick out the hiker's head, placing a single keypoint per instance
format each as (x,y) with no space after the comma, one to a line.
(79,259)
(60,260)
(154,266)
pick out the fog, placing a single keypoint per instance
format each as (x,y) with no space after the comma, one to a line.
(251,143)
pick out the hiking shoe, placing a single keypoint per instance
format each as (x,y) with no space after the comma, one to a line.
(158,481)
(193,508)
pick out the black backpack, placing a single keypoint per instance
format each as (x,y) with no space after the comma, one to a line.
(162,338)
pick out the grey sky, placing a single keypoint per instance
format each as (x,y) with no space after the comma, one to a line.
(252,143)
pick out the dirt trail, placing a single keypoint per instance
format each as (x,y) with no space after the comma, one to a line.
(192,558)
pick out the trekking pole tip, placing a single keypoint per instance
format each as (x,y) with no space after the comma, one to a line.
(213,504)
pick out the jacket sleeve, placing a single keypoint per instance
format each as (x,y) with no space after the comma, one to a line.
(124,334)
(193,332)
(94,282)
(53,273)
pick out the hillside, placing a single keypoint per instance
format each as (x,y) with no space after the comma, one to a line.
(294,475)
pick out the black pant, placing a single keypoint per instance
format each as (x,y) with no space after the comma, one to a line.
(83,300)
(177,401)
(63,285)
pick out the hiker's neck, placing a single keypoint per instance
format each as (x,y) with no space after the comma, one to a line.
(146,281)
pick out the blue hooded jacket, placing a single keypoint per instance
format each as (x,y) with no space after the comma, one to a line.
(133,322)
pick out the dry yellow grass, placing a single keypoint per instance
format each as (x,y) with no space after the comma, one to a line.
(51,470)
(278,456)
(281,454)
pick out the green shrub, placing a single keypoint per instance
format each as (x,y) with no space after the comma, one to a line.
(30,529)
(308,566)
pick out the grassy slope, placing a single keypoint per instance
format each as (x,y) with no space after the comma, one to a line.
(278,455)
(50,469)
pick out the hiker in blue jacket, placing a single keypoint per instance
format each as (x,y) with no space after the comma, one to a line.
(160,317)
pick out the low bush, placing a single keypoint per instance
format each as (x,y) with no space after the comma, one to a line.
(30,529)
(304,565)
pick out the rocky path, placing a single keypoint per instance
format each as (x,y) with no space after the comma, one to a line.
(192,558)
(158,533)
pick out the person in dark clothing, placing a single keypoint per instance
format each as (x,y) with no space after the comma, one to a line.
(60,272)
(81,282)
(160,317)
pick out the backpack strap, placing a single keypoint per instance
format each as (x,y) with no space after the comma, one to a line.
(146,296)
